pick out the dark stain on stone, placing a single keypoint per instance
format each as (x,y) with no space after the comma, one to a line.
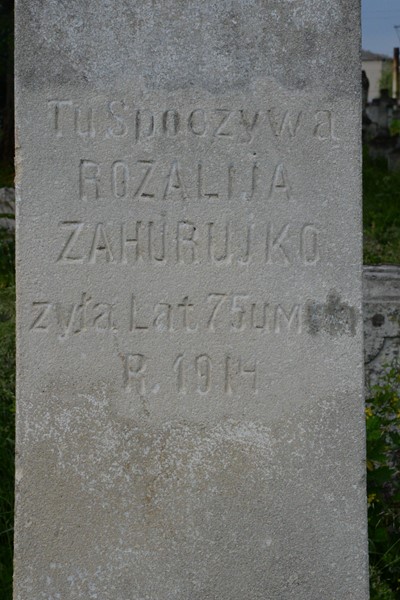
(333,317)
(378,320)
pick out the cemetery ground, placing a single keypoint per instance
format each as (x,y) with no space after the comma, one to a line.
(381,202)
(381,245)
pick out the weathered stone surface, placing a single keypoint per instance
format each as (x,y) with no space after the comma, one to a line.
(381,320)
(190,418)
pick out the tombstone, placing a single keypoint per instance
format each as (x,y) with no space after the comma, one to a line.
(380,111)
(382,146)
(190,417)
(393,159)
(381,321)
(365,89)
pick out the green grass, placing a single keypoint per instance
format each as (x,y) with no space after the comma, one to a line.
(7,408)
(6,175)
(383,483)
(381,213)
(381,208)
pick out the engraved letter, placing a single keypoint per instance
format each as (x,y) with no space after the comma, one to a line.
(76,230)
(220,298)
(187,309)
(292,319)
(249,126)
(134,325)
(160,257)
(86,300)
(134,371)
(197,122)
(226,114)
(276,245)
(133,241)
(253,185)
(239,311)
(119,179)
(309,249)
(186,242)
(67,323)
(234,368)
(141,131)
(104,320)
(246,255)
(262,324)
(170,121)
(89,132)
(324,128)
(252,371)
(286,123)
(178,368)
(76,314)
(100,244)
(120,130)
(200,192)
(58,121)
(89,174)
(174,182)
(229,372)
(279,183)
(203,368)
(38,322)
(140,193)
(223,257)
(162,320)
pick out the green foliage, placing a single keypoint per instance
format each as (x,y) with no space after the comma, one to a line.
(7,260)
(7,408)
(395,127)
(7,402)
(386,80)
(6,175)
(381,202)
(383,483)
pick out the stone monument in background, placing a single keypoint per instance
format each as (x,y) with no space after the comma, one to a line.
(190,413)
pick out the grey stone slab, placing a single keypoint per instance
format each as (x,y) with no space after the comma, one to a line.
(381,286)
(190,417)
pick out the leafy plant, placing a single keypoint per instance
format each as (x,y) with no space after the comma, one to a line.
(7,402)
(7,407)
(395,127)
(383,482)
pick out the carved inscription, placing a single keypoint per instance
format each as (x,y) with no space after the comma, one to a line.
(148,180)
(119,118)
(212,312)
(188,242)
(67,319)
(136,180)
(238,313)
(200,374)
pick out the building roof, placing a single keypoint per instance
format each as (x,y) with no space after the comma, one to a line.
(367,55)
